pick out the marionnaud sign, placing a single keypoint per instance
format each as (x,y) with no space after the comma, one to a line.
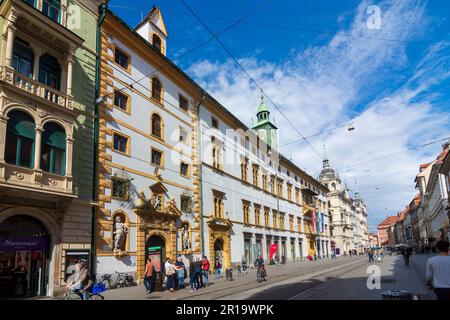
(22,243)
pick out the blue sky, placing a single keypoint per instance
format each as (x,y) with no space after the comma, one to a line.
(323,67)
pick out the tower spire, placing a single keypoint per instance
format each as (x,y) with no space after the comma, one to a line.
(326,163)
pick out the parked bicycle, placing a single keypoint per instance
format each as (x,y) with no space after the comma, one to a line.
(121,280)
(105,279)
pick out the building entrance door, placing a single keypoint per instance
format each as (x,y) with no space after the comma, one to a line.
(156,251)
(24,257)
(218,252)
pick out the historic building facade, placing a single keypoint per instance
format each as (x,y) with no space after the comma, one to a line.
(253,197)
(348,216)
(148,201)
(47,108)
(432,211)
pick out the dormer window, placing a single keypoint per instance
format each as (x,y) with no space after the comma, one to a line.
(156,40)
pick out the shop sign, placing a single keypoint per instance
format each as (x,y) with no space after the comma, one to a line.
(22,243)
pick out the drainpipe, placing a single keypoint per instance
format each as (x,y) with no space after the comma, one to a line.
(200,170)
(102,13)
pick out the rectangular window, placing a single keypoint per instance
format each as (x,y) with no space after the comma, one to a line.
(120,189)
(255,175)
(183,135)
(121,100)
(214,123)
(186,203)
(246,212)
(120,142)
(218,205)
(264,182)
(274,219)
(267,217)
(157,158)
(121,58)
(52,8)
(184,104)
(257,215)
(244,169)
(184,169)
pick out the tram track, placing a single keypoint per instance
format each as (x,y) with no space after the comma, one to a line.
(251,284)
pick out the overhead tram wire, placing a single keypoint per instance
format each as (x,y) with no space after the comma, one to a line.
(393,154)
(193,49)
(236,146)
(249,76)
(316,134)
(296,28)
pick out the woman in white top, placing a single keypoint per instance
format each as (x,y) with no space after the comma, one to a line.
(170,274)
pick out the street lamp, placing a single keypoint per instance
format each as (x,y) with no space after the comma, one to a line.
(350,127)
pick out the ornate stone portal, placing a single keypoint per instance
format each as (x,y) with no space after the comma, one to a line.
(155,217)
(220,230)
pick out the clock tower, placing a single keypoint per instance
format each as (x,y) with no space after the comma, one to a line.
(265,128)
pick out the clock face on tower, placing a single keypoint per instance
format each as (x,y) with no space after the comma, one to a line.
(262,134)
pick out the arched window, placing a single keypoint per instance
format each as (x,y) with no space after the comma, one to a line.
(156,89)
(157,42)
(20,133)
(156,125)
(53,153)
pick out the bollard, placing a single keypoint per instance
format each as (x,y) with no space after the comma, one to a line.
(229,274)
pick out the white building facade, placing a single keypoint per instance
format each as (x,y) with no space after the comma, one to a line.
(253,197)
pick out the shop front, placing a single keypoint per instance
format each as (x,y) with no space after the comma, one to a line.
(24,257)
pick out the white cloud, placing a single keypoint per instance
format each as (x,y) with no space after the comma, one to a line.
(318,88)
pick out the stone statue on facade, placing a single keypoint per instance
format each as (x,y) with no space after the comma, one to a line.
(120,233)
(185,238)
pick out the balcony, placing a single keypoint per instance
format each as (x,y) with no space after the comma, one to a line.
(35,89)
(35,180)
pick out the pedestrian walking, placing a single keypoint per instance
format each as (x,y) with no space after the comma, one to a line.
(205,270)
(438,271)
(217,268)
(406,253)
(148,276)
(244,264)
(198,273)
(192,276)
(370,256)
(181,272)
(170,275)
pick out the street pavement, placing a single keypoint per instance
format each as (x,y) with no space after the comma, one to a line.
(349,282)
(342,279)
(219,288)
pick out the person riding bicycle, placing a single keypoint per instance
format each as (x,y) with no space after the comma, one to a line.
(259,264)
(82,282)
